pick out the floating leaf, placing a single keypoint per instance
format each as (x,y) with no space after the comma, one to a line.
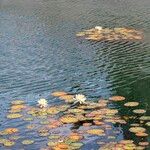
(130,146)
(8,143)
(51,143)
(11,130)
(43,130)
(75,137)
(17,102)
(69,119)
(51,137)
(52,110)
(135,125)
(95,131)
(145,118)
(18,107)
(27,142)
(137,129)
(131,104)
(76,111)
(15,111)
(87,124)
(76,145)
(44,122)
(140,148)
(14,116)
(99,34)
(117,98)
(67,98)
(63,107)
(2,140)
(139,111)
(62,146)
(44,134)
(28,119)
(59,93)
(148,124)
(143,143)
(141,134)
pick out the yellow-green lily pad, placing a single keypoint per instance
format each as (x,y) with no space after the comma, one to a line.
(8,143)
(14,116)
(27,142)
(145,118)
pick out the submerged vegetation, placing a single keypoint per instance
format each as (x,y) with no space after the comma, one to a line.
(115,34)
(70,125)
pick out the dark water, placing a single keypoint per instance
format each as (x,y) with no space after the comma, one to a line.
(39,52)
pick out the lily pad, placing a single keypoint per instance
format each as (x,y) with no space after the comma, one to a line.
(18,107)
(44,134)
(143,143)
(95,131)
(131,104)
(69,119)
(145,118)
(8,143)
(67,98)
(27,142)
(51,137)
(52,110)
(117,98)
(76,145)
(59,93)
(28,119)
(137,129)
(14,116)
(17,102)
(148,124)
(76,111)
(75,137)
(51,143)
(139,111)
(141,134)
(62,146)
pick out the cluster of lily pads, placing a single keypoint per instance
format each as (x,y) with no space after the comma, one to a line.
(70,125)
(105,34)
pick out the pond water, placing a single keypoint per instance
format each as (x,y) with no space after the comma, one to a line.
(40,53)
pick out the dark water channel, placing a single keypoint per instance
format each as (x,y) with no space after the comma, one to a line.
(39,52)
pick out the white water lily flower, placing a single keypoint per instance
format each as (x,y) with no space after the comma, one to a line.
(80,98)
(42,103)
(98,28)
